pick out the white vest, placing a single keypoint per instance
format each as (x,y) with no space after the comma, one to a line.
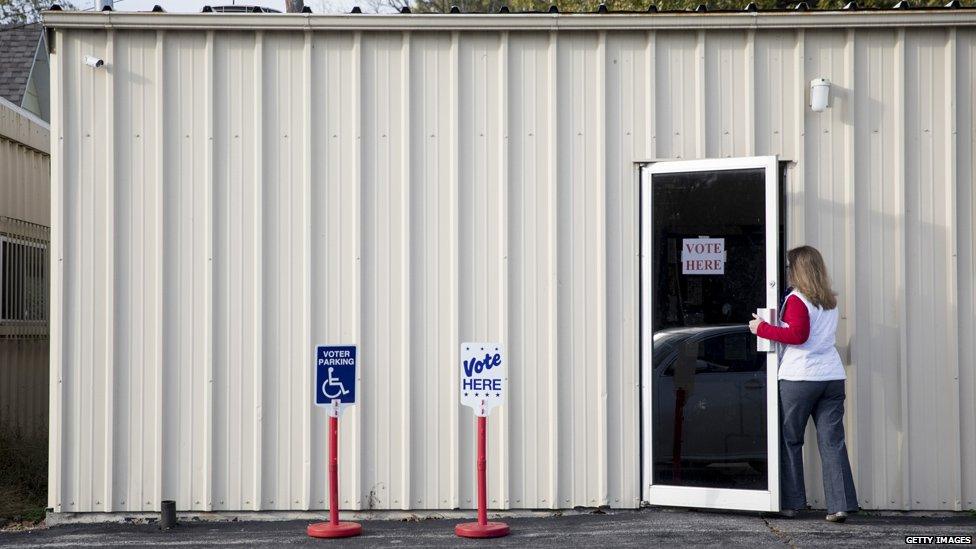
(817,359)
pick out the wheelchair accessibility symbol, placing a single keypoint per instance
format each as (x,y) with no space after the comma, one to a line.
(333,387)
(335,376)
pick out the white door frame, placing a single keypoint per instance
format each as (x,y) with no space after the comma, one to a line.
(683,496)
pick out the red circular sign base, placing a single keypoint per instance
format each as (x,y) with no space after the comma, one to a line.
(476,530)
(329,530)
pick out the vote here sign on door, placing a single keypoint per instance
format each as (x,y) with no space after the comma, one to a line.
(703,256)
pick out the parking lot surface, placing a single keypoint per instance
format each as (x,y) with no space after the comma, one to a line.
(644,528)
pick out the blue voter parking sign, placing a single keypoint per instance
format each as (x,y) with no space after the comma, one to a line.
(335,376)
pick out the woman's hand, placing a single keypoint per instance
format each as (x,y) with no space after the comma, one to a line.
(754,323)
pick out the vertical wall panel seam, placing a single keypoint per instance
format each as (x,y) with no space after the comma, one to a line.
(503,304)
(210,100)
(159,360)
(630,472)
(650,114)
(82,501)
(603,427)
(850,172)
(358,180)
(110,288)
(884,494)
(800,152)
(901,115)
(751,114)
(700,123)
(795,230)
(968,214)
(952,184)
(309,351)
(289,192)
(848,189)
(553,296)
(234,390)
(56,304)
(406,294)
(455,205)
(644,431)
(259,331)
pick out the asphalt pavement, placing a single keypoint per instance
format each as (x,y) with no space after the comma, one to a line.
(644,528)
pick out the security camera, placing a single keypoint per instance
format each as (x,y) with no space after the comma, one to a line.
(93,62)
(819,94)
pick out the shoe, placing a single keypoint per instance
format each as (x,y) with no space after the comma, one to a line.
(839,516)
(787,513)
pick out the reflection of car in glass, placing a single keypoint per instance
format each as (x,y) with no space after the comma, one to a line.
(721,379)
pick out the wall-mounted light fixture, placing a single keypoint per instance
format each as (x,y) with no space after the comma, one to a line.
(93,62)
(819,94)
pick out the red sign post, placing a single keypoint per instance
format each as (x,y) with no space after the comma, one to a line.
(334,528)
(335,389)
(483,386)
(482,528)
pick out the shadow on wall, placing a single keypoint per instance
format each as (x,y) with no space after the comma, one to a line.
(23,429)
(887,246)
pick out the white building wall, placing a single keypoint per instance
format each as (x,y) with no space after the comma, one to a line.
(25,167)
(25,195)
(231,191)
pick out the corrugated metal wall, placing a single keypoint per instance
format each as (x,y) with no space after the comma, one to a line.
(226,199)
(25,195)
(25,165)
(24,387)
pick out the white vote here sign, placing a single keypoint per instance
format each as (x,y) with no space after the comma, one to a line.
(484,377)
(704,256)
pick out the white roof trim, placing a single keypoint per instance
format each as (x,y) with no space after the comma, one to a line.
(515,21)
(24,127)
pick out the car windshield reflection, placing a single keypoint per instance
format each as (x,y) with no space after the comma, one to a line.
(709,404)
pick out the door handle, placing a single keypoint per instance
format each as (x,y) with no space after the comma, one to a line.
(765,345)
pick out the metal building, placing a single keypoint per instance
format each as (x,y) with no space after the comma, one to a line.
(25,195)
(231,190)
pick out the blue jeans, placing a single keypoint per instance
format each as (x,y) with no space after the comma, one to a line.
(824,400)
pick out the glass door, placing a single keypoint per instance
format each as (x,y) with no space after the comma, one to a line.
(710,258)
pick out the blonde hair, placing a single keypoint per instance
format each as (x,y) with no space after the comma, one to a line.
(808,274)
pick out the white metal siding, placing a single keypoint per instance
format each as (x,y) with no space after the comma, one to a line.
(225,199)
(23,387)
(25,166)
(25,193)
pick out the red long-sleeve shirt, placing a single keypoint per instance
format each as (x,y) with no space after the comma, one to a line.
(796,316)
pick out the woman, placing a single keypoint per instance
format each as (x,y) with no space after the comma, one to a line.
(811,382)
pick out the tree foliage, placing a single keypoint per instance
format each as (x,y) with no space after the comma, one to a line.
(26,11)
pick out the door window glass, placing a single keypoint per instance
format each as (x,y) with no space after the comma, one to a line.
(708,277)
